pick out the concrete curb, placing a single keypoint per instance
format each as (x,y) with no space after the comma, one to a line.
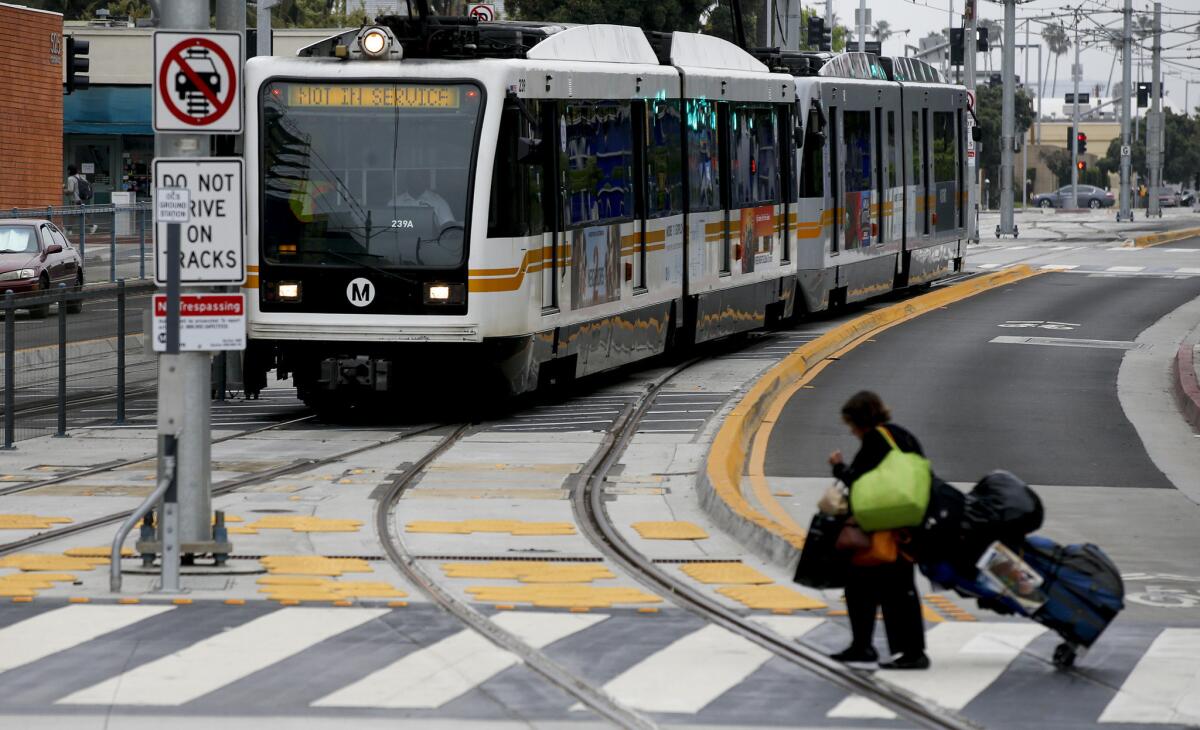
(1187,388)
(1155,239)
(720,484)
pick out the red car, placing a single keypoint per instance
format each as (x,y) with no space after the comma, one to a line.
(36,257)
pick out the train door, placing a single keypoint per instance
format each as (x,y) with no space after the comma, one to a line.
(552,239)
(835,180)
(878,229)
(787,161)
(927,189)
(726,260)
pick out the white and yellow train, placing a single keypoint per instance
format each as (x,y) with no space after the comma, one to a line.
(437,201)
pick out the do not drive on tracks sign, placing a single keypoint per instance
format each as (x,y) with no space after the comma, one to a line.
(211,225)
(207,322)
(197,82)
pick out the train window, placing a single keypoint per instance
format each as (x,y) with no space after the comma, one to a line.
(753,156)
(518,178)
(703,149)
(664,158)
(892,152)
(597,161)
(812,163)
(856,131)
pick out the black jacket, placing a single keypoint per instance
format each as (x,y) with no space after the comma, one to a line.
(874,448)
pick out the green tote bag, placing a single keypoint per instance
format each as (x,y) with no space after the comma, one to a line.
(893,494)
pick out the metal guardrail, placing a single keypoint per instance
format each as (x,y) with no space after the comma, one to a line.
(73,359)
(113,240)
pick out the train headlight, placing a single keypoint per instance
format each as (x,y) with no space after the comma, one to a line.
(289,291)
(374,42)
(440,293)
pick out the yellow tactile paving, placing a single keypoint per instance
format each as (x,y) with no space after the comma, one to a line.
(99,551)
(529,571)
(314,565)
(241,530)
(330,590)
(771,597)
(31,522)
(15,585)
(45,562)
(304,523)
(670,531)
(514,527)
(559,595)
(725,573)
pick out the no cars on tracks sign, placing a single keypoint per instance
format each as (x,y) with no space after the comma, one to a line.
(197,82)
(211,233)
(483,12)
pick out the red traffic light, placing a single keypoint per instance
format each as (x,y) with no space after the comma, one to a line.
(1081,137)
(1081,165)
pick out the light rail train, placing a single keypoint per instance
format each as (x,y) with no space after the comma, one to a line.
(438,201)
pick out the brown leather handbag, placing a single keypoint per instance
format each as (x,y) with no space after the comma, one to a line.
(874,548)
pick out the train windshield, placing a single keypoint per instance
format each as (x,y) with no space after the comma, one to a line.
(369,174)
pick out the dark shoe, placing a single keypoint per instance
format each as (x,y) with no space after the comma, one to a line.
(910,660)
(866,658)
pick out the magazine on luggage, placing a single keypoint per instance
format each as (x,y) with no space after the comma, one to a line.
(1005,572)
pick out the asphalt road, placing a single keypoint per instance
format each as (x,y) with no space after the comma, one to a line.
(97,320)
(1048,413)
(1189,243)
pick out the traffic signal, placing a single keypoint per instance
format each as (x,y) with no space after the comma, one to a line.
(77,64)
(981,39)
(1081,165)
(1070,135)
(818,37)
(1081,143)
(956,46)
(1143,95)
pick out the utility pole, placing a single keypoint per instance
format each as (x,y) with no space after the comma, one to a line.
(969,36)
(829,18)
(1024,137)
(1075,72)
(862,26)
(1154,122)
(1008,71)
(1126,211)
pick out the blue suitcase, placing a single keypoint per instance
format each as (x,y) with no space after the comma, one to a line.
(1083,588)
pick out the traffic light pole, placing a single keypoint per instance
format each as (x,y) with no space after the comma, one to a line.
(1008,57)
(1075,123)
(1126,211)
(1154,123)
(969,51)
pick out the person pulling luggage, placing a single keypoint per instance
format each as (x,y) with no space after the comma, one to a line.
(887,584)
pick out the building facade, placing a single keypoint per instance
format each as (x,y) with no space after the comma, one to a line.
(32,53)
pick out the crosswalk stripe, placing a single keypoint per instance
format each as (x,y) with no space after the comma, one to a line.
(429,678)
(1125,269)
(966,659)
(687,675)
(63,628)
(791,627)
(1188,270)
(1164,687)
(227,657)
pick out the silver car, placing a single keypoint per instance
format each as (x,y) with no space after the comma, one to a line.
(1090,196)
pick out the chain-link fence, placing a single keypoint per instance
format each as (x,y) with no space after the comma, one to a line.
(73,359)
(115,241)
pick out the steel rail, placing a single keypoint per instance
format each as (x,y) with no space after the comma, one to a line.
(217,490)
(593,520)
(397,552)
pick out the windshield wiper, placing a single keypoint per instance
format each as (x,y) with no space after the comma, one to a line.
(372,267)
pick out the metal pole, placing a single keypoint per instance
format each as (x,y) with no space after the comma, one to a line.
(1038,133)
(62,361)
(1154,123)
(862,26)
(1126,211)
(263,26)
(1008,122)
(142,244)
(184,409)
(121,351)
(10,369)
(828,18)
(1025,135)
(112,245)
(1075,122)
(969,54)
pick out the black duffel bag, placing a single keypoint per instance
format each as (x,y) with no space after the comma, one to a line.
(1002,507)
(821,564)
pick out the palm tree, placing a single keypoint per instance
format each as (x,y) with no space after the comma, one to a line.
(1058,43)
(882,31)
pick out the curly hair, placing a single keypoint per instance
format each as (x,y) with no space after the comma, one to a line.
(865,410)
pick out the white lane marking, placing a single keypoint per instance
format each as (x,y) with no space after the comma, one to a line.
(1060,248)
(1188,270)
(989,266)
(1059,267)
(967,658)
(1180,250)
(1065,342)
(222,659)
(792,627)
(1018,248)
(1126,269)
(690,673)
(431,677)
(63,628)
(1164,687)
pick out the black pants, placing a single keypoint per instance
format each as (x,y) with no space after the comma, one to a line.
(890,586)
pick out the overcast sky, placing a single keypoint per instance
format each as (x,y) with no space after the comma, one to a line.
(921,17)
